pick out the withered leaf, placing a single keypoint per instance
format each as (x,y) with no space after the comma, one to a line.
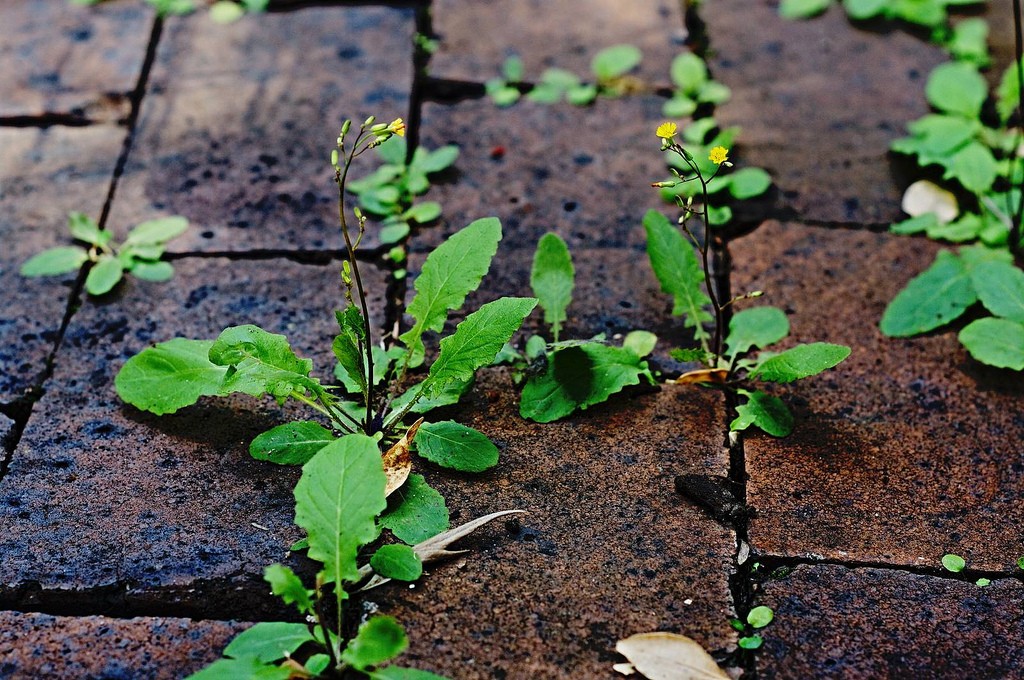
(398,462)
(668,656)
(716,376)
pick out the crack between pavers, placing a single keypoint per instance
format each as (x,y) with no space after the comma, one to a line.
(773,562)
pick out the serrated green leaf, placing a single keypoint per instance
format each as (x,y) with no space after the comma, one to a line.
(260,363)
(337,499)
(1000,287)
(932,299)
(398,673)
(552,279)
(973,166)
(152,271)
(60,260)
(453,445)
(378,640)
(287,586)
(799,362)
(104,275)
(291,443)
(615,61)
(169,376)
(450,273)
(675,265)
(802,9)
(84,228)
(157,231)
(269,641)
(688,72)
(957,87)
(416,511)
(398,562)
(756,327)
(996,342)
(767,412)
(476,341)
(748,183)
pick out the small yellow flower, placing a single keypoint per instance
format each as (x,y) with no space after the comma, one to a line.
(666,130)
(397,126)
(718,155)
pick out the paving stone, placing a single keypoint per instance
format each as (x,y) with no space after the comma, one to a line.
(833,622)
(237,128)
(906,451)
(71,60)
(546,34)
(109,506)
(40,645)
(608,548)
(6,433)
(44,175)
(818,102)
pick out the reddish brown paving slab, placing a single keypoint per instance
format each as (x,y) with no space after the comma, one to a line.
(79,61)
(111,506)
(583,173)
(818,102)
(43,646)
(872,623)
(547,34)
(906,451)
(240,120)
(44,175)
(608,548)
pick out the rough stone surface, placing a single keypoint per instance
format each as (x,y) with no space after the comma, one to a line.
(818,103)
(6,433)
(833,622)
(251,169)
(68,60)
(39,645)
(44,175)
(546,34)
(906,451)
(608,548)
(130,508)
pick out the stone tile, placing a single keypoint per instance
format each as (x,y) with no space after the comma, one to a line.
(71,60)
(111,506)
(44,175)
(872,623)
(608,547)
(237,128)
(819,102)
(906,451)
(40,645)
(6,433)
(546,34)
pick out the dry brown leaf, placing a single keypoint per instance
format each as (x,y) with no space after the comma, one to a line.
(716,376)
(624,668)
(927,197)
(668,656)
(398,462)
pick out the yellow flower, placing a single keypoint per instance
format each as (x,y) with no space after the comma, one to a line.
(718,155)
(397,126)
(666,130)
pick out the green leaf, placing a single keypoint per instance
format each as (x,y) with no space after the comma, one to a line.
(748,183)
(678,106)
(83,228)
(615,61)
(339,495)
(104,275)
(502,95)
(581,95)
(764,411)
(292,443)
(392,152)
(552,280)
(512,69)
(269,641)
(941,135)
(416,511)
(54,261)
(970,41)
(923,12)
(996,342)
(688,72)
(287,586)
(347,347)
(171,375)
(476,341)
(974,166)
(393,232)
(450,273)
(675,265)
(225,12)
(756,327)
(452,445)
(260,363)
(640,343)
(713,92)
(428,211)
(398,673)
(750,642)
(437,160)
(953,563)
(152,271)
(449,394)
(1000,287)
(378,640)
(799,362)
(933,298)
(802,9)
(864,9)
(966,228)
(957,87)
(759,617)
(317,664)
(157,231)
(398,562)
(915,225)
(241,669)
(983,582)
(1008,93)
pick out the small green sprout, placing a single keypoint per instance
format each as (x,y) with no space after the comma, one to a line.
(761,616)
(953,563)
(1020,563)
(983,582)
(750,642)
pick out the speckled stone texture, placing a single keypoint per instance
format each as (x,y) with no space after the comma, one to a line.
(608,548)
(834,622)
(240,120)
(77,61)
(130,508)
(818,103)
(36,646)
(44,175)
(6,434)
(906,451)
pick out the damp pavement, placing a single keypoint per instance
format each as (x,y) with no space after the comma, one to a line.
(132,546)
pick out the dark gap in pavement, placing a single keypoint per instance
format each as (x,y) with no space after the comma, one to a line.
(771,563)
(46,120)
(109,108)
(311,257)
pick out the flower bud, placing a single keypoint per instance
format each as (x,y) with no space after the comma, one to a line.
(369,121)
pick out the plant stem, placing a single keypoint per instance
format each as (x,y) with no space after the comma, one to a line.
(1015,229)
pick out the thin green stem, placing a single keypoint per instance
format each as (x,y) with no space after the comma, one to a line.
(1018,217)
